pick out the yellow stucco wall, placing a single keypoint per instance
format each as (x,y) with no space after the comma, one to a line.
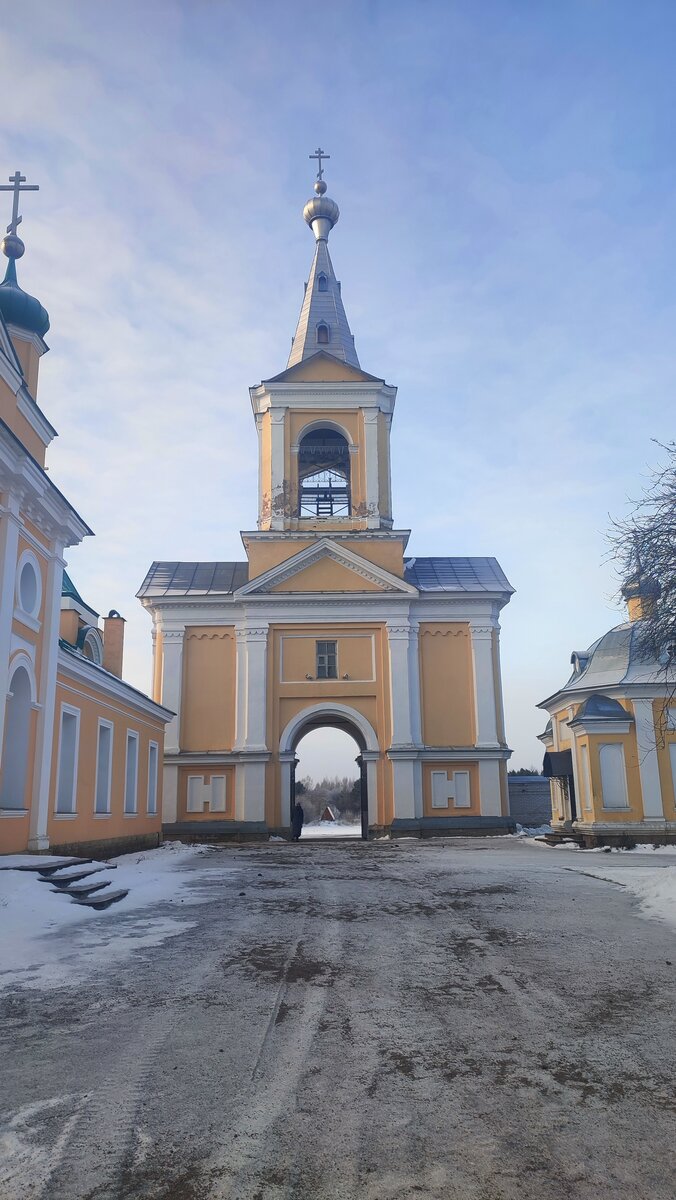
(30,363)
(325,369)
(288,696)
(451,811)
(18,424)
(327,575)
(447,686)
(86,825)
(209,681)
(355,657)
(635,810)
(264,555)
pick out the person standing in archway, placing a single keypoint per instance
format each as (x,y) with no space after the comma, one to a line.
(297,821)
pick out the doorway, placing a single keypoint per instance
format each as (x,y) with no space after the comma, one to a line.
(330,784)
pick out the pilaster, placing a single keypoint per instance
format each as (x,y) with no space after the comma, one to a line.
(485,707)
(172,684)
(9,552)
(44,742)
(251,720)
(370,417)
(653,807)
(278,479)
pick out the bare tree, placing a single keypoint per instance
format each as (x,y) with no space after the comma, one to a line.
(643,546)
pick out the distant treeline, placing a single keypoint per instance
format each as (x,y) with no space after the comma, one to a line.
(342,794)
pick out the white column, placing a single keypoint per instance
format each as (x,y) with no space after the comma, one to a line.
(489,788)
(414,684)
(371,468)
(172,684)
(278,490)
(169,795)
(252,647)
(401,684)
(286,760)
(9,552)
(44,741)
(484,685)
(653,808)
(370,758)
(250,790)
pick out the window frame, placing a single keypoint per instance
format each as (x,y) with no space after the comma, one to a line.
(104,724)
(132,736)
(70,711)
(152,811)
(327,655)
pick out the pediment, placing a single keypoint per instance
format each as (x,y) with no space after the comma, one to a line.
(324,368)
(329,568)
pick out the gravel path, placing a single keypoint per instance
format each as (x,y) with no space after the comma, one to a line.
(470,1021)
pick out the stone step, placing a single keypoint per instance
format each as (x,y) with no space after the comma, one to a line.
(82,889)
(49,868)
(62,881)
(102,899)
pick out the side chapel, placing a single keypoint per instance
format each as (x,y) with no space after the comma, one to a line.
(327,621)
(81,749)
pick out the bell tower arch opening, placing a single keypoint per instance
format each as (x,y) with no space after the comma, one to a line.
(324,474)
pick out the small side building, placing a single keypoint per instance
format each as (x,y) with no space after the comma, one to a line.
(611,741)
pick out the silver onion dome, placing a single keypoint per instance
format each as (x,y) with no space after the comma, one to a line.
(321,213)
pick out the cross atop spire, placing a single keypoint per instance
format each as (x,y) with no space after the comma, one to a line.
(15,185)
(319,155)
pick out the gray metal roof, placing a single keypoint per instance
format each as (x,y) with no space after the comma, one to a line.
(194,578)
(456,575)
(224,578)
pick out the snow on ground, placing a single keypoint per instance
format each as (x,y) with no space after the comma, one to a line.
(34,919)
(328,829)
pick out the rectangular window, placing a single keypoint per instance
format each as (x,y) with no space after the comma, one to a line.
(152,778)
(68,749)
(131,773)
(327,660)
(613,775)
(104,762)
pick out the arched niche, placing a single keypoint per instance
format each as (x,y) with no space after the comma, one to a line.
(14,778)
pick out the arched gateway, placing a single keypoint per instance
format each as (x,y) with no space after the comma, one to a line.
(335,716)
(327,622)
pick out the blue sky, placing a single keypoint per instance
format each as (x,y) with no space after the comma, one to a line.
(506,179)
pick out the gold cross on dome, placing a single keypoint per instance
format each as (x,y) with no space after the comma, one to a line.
(319,155)
(15,182)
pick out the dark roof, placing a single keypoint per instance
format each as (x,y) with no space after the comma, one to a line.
(456,575)
(69,590)
(601,708)
(194,578)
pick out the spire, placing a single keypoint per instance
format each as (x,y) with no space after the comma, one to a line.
(322,324)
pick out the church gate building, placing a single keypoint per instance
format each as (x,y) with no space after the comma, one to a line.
(327,621)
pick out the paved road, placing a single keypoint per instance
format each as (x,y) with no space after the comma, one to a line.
(474,1021)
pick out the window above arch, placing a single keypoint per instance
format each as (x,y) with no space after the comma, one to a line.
(323,334)
(322,283)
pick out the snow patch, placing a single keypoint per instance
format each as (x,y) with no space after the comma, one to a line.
(46,940)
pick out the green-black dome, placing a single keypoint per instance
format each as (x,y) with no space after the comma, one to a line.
(18,308)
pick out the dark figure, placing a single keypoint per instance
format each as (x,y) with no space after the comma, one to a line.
(297,821)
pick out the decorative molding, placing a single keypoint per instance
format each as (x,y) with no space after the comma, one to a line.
(222,633)
(326,548)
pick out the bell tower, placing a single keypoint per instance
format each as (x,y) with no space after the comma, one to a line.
(324,423)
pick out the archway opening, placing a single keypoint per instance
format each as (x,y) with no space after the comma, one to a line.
(330,783)
(324,474)
(16,743)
